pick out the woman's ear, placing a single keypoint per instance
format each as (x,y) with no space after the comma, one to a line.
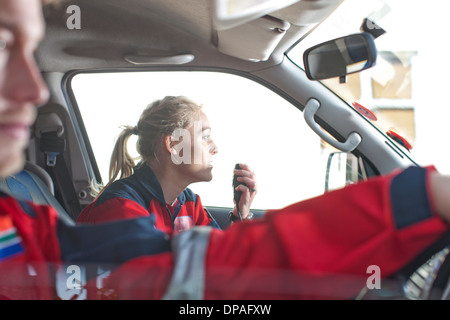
(169,144)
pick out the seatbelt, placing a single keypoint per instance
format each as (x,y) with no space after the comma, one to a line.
(53,147)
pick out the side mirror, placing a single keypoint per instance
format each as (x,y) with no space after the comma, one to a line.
(341,56)
(343,168)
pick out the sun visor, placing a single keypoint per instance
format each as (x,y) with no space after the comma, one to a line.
(254,40)
(231,13)
(307,12)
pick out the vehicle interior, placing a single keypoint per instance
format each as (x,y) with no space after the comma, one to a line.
(247,39)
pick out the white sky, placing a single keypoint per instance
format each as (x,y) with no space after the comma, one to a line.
(231,104)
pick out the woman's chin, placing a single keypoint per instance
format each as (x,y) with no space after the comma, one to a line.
(11,165)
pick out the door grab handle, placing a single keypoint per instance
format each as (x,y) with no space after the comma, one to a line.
(353,140)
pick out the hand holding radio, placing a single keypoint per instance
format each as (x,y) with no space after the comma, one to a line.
(244,190)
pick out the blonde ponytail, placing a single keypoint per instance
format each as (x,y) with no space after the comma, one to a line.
(121,161)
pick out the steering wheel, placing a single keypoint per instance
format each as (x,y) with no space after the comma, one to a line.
(426,277)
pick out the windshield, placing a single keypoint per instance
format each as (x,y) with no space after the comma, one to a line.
(407,89)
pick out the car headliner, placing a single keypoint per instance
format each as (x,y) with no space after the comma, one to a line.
(111,29)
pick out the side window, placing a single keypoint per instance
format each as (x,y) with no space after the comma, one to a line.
(250,124)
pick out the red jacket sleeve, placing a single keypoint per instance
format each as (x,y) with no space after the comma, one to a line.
(323,247)
(111,210)
(318,248)
(201,217)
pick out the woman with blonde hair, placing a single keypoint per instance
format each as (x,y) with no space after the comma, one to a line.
(176,149)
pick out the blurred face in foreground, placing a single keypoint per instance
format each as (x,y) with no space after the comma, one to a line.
(21,85)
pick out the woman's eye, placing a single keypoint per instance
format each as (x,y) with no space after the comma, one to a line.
(6,39)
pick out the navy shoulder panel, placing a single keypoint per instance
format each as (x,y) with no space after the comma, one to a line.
(111,242)
(125,189)
(190,195)
(409,197)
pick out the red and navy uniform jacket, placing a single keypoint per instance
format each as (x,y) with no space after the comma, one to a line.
(318,248)
(141,195)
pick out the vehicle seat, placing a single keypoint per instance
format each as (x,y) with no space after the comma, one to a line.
(34,184)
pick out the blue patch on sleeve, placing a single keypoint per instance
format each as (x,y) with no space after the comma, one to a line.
(111,242)
(410,201)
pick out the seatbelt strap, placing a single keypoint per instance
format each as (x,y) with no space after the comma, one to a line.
(189,253)
(53,147)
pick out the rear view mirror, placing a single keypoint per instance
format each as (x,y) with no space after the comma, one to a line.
(341,56)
